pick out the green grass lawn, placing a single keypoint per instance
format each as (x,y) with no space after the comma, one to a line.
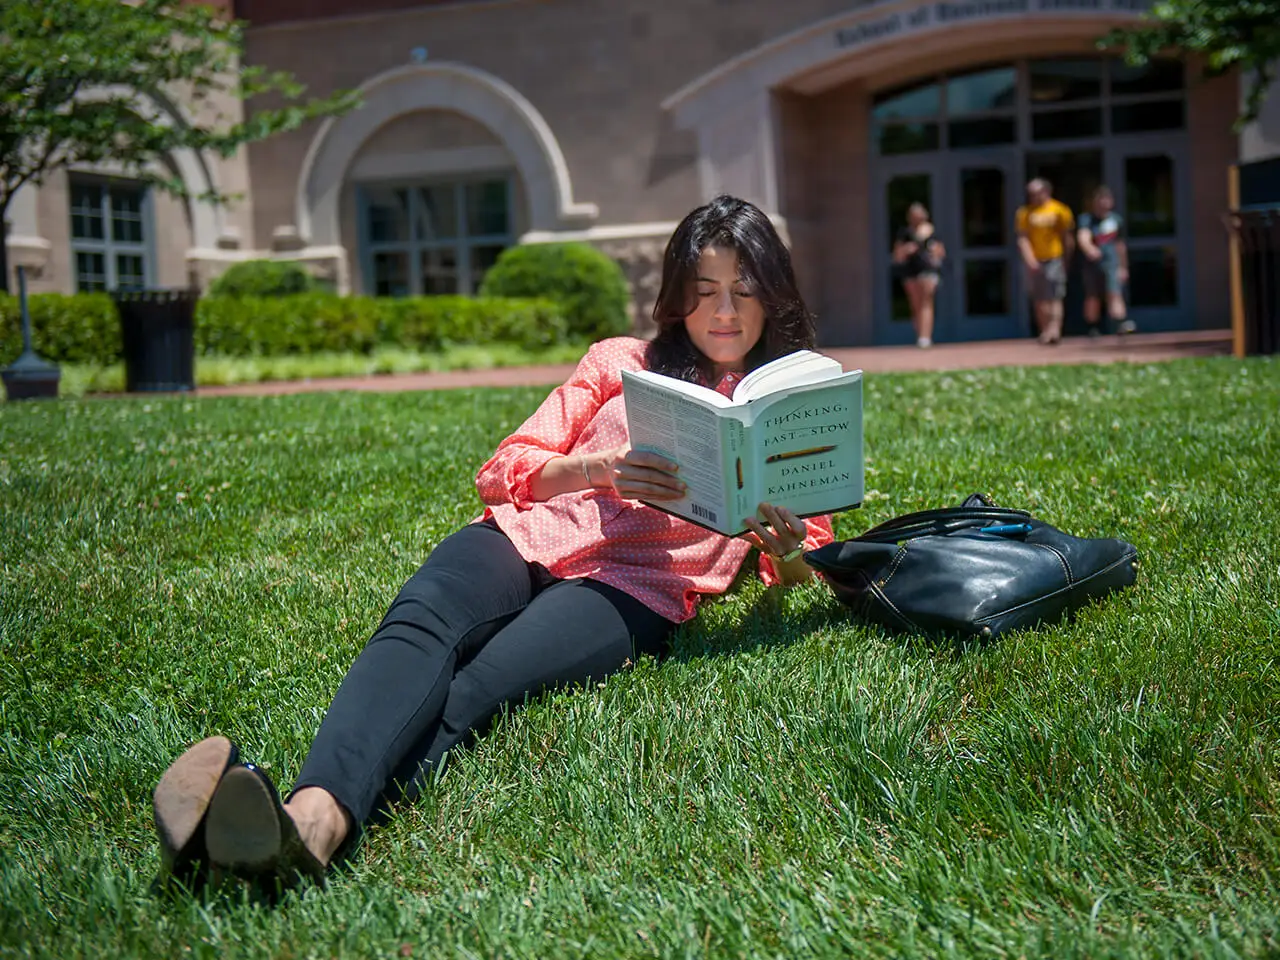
(787,784)
(80,379)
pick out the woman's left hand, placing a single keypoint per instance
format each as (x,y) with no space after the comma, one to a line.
(784,533)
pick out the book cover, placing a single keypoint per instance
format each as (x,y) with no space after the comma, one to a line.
(791,435)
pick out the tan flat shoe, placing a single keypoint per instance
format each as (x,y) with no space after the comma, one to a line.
(249,834)
(181,802)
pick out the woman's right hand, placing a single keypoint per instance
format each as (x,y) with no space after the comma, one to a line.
(633,474)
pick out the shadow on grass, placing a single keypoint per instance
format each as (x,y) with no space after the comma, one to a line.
(771,620)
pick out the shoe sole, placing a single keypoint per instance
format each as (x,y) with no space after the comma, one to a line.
(185,791)
(242,832)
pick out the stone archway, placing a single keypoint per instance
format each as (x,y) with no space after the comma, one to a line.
(732,106)
(26,241)
(438,86)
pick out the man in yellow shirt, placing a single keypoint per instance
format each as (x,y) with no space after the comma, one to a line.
(1046,241)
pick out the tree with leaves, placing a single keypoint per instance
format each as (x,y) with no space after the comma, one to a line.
(1228,33)
(90,81)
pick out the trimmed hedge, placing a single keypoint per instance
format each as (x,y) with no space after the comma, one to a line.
(85,328)
(263,278)
(590,286)
(274,326)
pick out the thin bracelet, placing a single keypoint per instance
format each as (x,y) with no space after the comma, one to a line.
(586,472)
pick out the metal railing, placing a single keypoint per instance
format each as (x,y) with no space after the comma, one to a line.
(1257,234)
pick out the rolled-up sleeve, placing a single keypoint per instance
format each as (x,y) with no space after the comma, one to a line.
(818,533)
(551,432)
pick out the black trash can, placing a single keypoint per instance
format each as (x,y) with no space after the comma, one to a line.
(1259,232)
(157,330)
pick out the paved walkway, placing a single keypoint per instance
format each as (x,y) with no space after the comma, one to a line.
(1136,348)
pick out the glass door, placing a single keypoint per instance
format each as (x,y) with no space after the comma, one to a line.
(900,183)
(979,295)
(1153,197)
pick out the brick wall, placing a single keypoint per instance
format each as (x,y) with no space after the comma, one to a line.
(1211,110)
(264,12)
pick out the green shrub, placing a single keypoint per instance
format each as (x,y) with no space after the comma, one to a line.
(318,322)
(588,285)
(429,323)
(83,328)
(274,326)
(263,278)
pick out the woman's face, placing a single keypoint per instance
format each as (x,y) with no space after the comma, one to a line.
(727,318)
(1103,204)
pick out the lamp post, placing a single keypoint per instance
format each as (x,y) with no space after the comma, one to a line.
(29,377)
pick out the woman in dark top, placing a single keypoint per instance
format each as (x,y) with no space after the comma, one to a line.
(919,254)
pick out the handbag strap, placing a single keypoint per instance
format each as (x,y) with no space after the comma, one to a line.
(925,523)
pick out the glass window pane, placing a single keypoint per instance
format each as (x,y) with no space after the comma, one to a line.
(482,258)
(982,133)
(1155,76)
(129,272)
(908,138)
(1142,117)
(440,271)
(1059,81)
(86,212)
(984,222)
(437,214)
(918,102)
(986,90)
(1065,124)
(387,213)
(126,215)
(899,305)
(986,287)
(1153,277)
(91,272)
(391,274)
(1149,197)
(487,209)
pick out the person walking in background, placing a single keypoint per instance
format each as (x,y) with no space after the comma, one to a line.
(1106,263)
(919,254)
(1045,240)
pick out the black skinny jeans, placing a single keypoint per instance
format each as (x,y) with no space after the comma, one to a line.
(476,629)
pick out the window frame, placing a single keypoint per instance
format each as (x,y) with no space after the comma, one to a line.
(463,244)
(108,247)
(1023,111)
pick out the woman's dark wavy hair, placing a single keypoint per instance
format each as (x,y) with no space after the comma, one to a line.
(763,261)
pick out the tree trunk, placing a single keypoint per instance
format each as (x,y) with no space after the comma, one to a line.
(4,247)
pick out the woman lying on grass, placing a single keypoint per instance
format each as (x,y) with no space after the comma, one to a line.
(564,579)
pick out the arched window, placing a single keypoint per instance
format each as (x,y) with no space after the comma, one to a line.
(1062,98)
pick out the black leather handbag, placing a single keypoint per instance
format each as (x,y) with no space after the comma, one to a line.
(976,570)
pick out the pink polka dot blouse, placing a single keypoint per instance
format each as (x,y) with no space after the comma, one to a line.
(661,560)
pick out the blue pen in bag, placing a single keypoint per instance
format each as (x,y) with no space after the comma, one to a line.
(1007,529)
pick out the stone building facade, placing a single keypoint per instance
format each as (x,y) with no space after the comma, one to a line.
(487,123)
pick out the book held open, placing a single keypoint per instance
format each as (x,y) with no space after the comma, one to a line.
(791,435)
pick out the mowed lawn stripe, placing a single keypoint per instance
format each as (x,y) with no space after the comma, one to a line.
(786,783)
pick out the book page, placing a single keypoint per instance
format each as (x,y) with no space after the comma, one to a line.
(686,429)
(795,369)
(694,390)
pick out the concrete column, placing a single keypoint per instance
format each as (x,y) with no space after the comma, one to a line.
(736,151)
